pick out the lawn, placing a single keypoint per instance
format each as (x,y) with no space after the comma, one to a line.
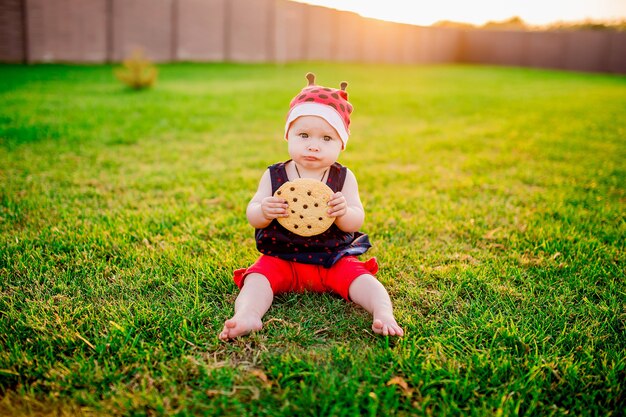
(494,199)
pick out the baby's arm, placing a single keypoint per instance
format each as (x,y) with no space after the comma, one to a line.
(263,208)
(346,206)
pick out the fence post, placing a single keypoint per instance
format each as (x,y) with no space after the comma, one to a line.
(174,31)
(270,17)
(25,38)
(227,23)
(108,27)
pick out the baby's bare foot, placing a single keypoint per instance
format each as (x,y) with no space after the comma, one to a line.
(387,325)
(239,326)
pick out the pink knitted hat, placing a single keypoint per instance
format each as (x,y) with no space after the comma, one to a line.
(328,103)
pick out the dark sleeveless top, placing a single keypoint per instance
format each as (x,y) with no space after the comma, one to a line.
(324,249)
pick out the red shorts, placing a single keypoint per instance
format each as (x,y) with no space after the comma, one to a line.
(287,276)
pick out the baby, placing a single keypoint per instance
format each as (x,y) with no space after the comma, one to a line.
(317,130)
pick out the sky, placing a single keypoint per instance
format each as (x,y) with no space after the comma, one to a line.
(534,12)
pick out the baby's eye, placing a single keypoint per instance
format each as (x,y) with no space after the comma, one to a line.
(304,135)
(327,138)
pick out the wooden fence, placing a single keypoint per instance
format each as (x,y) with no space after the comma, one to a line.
(96,31)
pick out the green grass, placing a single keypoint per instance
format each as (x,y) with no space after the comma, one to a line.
(494,199)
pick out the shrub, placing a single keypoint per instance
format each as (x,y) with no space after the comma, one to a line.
(138,72)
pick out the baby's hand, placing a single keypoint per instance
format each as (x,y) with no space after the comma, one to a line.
(338,206)
(274,207)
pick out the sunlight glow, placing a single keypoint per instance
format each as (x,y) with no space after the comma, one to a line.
(534,12)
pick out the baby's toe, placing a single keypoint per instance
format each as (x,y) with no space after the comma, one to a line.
(228,325)
(377,326)
(395,330)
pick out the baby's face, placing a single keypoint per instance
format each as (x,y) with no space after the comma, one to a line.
(313,143)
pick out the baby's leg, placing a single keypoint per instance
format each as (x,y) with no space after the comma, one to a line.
(370,294)
(251,305)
